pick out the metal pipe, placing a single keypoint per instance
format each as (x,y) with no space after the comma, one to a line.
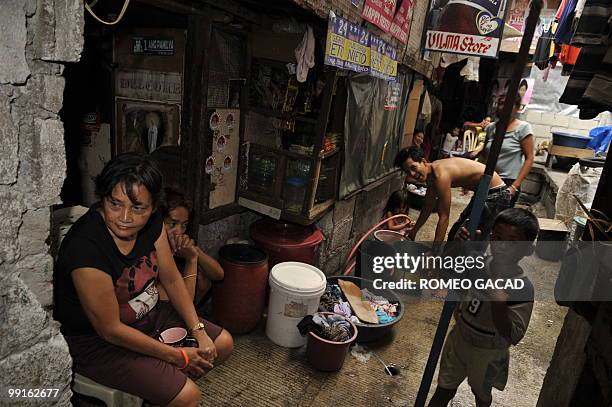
(481,195)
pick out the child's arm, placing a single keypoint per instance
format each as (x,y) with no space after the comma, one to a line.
(396,224)
(211,267)
(511,319)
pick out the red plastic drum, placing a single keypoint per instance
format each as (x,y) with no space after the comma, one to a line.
(284,241)
(239,299)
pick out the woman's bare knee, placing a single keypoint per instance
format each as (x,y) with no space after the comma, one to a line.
(225,345)
(189,396)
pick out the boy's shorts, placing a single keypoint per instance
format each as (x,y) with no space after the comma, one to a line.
(484,368)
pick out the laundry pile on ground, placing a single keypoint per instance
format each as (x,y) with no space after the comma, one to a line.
(417,190)
(331,327)
(334,301)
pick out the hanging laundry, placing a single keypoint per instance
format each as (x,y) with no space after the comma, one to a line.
(563,35)
(599,91)
(543,49)
(304,55)
(593,25)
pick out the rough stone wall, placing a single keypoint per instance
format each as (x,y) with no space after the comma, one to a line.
(213,236)
(349,220)
(37,37)
(409,54)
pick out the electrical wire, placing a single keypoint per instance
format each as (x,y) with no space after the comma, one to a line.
(88,8)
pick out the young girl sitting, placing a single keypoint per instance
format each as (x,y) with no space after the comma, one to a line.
(398,203)
(198,268)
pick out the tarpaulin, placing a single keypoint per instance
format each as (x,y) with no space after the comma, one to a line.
(372,135)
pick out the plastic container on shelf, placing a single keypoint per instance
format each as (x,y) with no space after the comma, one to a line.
(294,194)
(295,291)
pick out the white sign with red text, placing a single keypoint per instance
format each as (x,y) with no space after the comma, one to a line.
(461,43)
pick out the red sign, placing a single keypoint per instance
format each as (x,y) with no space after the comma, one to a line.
(379,13)
(400,28)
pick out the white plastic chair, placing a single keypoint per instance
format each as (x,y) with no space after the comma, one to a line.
(111,397)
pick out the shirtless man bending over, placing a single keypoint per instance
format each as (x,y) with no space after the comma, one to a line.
(442,175)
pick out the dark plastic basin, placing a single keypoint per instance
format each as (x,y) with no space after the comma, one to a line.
(372,332)
(570,140)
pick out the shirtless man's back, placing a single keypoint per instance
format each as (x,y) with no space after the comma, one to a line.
(442,175)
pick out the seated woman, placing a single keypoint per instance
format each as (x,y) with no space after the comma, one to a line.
(198,268)
(107,301)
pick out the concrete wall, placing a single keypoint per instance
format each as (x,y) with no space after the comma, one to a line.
(544,124)
(213,236)
(349,220)
(37,37)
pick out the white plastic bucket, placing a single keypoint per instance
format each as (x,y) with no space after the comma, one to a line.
(295,291)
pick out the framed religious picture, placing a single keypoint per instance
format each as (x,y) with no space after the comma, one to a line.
(143,126)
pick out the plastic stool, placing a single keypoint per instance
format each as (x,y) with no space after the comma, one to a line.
(111,397)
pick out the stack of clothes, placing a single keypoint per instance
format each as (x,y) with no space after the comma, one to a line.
(333,301)
(331,327)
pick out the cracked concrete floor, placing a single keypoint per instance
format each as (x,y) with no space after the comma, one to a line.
(260,373)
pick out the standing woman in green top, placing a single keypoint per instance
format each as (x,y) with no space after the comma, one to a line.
(516,156)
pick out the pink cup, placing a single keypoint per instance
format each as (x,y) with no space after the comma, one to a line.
(173,336)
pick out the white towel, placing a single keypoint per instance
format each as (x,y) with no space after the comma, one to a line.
(304,55)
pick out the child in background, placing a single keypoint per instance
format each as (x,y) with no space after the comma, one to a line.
(489,321)
(398,203)
(198,268)
(450,141)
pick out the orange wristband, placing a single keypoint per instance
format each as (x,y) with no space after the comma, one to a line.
(186,358)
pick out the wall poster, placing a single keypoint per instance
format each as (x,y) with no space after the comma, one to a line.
(143,126)
(380,13)
(468,27)
(400,28)
(222,165)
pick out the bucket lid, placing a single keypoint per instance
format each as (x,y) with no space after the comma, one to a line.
(300,277)
(242,253)
(279,233)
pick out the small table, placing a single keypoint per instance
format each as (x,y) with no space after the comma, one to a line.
(563,151)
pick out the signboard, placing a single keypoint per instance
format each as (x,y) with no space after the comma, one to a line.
(468,27)
(152,46)
(357,49)
(334,47)
(222,165)
(149,85)
(380,13)
(352,47)
(377,54)
(394,93)
(400,27)
(390,63)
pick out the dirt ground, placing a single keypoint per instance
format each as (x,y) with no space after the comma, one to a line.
(260,373)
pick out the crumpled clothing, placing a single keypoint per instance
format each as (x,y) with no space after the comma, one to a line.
(383,317)
(304,55)
(330,298)
(331,327)
(343,308)
(369,296)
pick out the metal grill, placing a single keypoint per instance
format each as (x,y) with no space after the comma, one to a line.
(226,61)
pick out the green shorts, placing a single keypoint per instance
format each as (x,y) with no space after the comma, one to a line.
(484,368)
